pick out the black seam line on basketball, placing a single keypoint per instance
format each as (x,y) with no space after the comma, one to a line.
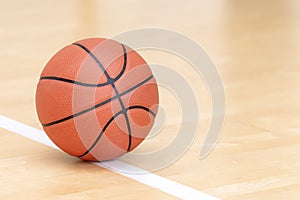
(101,133)
(95,59)
(124,64)
(73,82)
(124,113)
(128,124)
(79,113)
(109,122)
(99,104)
(89,84)
(129,131)
(109,79)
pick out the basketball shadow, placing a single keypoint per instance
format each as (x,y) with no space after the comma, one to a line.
(62,160)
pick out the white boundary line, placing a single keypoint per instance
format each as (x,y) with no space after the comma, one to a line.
(171,187)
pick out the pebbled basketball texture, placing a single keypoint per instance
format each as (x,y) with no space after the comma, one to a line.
(97,99)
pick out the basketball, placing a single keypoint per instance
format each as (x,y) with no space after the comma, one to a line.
(97,99)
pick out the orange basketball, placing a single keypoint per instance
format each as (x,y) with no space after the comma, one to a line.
(97,99)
